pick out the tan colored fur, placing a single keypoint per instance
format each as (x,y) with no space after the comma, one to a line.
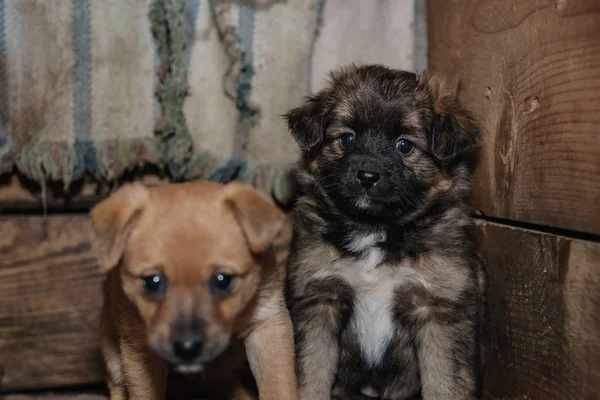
(187,232)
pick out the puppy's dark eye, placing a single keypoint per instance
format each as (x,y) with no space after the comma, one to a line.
(347,139)
(222,284)
(154,285)
(405,146)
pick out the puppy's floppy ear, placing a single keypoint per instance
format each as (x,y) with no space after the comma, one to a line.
(306,124)
(257,215)
(113,219)
(453,129)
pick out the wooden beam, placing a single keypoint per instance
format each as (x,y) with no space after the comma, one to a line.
(20,193)
(50,296)
(542,340)
(530,72)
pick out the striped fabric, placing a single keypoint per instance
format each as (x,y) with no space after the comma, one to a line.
(87,87)
(78,87)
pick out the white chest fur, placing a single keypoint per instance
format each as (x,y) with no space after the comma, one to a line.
(374,287)
(372,318)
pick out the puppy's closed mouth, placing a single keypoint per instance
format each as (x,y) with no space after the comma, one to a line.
(189,368)
(364,201)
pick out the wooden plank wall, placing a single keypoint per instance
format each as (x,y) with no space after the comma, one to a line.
(530,71)
(50,297)
(543,337)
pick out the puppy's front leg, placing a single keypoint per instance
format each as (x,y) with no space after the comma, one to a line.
(447,360)
(113,366)
(270,350)
(317,351)
(145,374)
(109,346)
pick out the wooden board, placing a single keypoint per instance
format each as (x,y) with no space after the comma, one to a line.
(543,338)
(544,296)
(530,70)
(50,297)
(19,193)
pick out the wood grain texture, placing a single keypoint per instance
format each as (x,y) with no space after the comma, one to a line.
(543,337)
(50,296)
(530,71)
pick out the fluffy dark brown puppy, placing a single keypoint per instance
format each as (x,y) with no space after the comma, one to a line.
(384,285)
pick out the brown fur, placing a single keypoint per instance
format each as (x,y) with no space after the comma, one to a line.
(401,265)
(188,232)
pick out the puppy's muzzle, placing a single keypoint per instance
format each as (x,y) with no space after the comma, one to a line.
(183,343)
(188,339)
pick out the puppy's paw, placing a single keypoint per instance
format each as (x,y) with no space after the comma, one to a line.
(117,392)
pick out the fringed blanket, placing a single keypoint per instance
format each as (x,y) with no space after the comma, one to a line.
(199,86)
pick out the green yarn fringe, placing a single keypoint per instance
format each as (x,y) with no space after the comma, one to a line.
(185,162)
(168,28)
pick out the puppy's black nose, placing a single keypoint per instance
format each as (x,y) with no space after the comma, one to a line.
(367,179)
(187,350)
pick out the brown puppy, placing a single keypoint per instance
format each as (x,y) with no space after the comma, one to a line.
(384,285)
(191,268)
